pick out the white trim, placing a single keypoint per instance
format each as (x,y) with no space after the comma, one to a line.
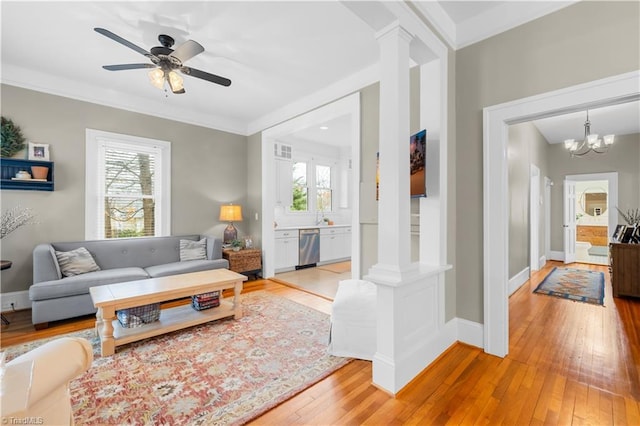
(78,90)
(19,298)
(325,96)
(617,89)
(534,218)
(440,20)
(469,332)
(518,279)
(502,18)
(556,255)
(612,193)
(350,106)
(542,262)
(92,205)
(547,217)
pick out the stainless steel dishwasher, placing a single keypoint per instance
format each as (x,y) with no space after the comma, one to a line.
(309,253)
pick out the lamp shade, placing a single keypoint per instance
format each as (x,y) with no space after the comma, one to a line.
(230,213)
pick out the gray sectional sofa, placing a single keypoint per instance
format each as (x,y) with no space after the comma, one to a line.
(54,297)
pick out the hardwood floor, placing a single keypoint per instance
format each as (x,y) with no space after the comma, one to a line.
(569,363)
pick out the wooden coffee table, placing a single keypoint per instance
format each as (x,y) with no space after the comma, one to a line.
(112,297)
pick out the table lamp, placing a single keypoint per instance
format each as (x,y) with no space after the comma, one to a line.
(230,213)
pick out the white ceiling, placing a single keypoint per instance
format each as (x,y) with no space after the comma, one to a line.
(277,54)
(622,119)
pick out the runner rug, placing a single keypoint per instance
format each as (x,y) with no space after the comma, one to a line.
(574,284)
(224,372)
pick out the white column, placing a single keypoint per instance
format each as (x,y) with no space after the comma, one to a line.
(394,205)
(394,250)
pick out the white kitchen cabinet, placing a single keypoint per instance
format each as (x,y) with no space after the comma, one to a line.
(283,182)
(335,243)
(286,244)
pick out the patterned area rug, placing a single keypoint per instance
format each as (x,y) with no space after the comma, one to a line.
(224,372)
(574,284)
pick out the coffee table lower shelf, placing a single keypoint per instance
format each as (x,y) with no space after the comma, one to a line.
(171,319)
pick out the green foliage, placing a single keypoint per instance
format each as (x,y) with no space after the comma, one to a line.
(12,140)
(236,243)
(128,233)
(299,196)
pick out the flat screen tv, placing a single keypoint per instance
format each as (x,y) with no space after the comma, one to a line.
(417,151)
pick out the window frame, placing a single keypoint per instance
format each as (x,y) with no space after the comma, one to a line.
(312,162)
(96,140)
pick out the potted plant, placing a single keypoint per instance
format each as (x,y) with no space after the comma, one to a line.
(236,245)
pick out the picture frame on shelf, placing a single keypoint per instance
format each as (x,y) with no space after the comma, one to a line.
(617,234)
(627,235)
(248,242)
(38,151)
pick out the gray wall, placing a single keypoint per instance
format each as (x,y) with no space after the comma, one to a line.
(526,146)
(578,44)
(622,158)
(254,189)
(209,167)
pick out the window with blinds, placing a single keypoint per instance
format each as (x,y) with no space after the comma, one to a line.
(127,187)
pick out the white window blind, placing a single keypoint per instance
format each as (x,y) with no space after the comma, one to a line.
(128,186)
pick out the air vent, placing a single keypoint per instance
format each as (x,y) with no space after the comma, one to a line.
(281,150)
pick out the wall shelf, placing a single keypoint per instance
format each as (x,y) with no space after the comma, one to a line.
(10,166)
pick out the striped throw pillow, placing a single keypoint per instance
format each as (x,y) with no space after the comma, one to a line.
(76,262)
(193,250)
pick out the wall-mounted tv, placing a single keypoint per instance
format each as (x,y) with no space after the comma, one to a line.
(417,151)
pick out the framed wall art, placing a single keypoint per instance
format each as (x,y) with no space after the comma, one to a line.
(38,151)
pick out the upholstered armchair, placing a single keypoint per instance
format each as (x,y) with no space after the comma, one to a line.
(49,369)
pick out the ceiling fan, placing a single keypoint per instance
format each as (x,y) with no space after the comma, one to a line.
(165,62)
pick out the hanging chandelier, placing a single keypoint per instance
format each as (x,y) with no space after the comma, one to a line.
(590,143)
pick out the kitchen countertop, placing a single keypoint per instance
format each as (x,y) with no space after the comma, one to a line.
(293,228)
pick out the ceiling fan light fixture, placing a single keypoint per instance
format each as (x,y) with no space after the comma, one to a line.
(175,82)
(156,77)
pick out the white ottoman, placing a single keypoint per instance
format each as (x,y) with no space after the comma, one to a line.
(353,320)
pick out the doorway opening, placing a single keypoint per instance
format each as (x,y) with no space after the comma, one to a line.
(596,195)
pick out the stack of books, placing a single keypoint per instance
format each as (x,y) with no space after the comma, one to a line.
(205,300)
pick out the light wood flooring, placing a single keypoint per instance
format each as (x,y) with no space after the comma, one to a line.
(320,281)
(569,363)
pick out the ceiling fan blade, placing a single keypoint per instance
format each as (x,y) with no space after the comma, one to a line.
(187,50)
(122,41)
(206,76)
(123,67)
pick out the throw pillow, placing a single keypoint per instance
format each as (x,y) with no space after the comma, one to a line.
(76,262)
(193,250)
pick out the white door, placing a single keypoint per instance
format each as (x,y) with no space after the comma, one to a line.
(569,221)
(534,219)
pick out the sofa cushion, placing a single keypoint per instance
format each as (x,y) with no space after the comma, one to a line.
(76,262)
(79,284)
(193,250)
(185,267)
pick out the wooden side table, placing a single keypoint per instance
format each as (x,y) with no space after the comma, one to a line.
(5,264)
(246,261)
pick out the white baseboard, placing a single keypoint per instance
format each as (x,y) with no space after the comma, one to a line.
(556,255)
(470,332)
(20,300)
(542,261)
(516,281)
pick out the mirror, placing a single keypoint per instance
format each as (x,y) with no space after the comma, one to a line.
(594,201)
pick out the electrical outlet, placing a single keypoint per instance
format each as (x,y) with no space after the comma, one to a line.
(6,303)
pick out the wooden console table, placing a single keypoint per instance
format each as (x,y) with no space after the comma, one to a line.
(625,269)
(112,297)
